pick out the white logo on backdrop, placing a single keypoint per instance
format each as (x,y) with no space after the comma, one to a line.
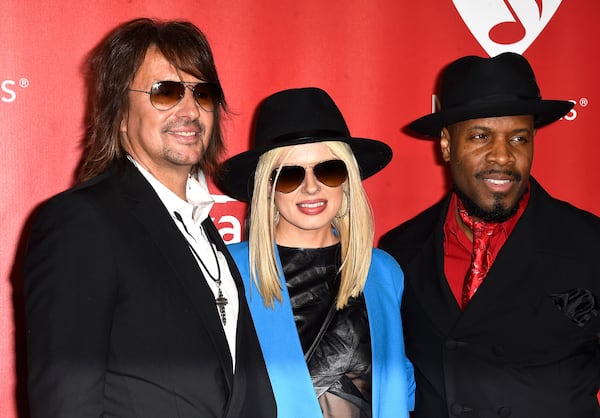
(229,226)
(8,89)
(506,25)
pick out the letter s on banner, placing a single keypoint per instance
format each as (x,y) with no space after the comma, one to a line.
(7,95)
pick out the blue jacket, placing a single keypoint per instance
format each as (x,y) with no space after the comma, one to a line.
(393,384)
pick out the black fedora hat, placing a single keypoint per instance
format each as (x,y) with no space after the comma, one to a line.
(475,87)
(295,117)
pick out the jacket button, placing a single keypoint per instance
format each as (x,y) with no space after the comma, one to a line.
(450,344)
(504,412)
(456,410)
(453,344)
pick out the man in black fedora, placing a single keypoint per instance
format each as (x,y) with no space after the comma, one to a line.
(500,307)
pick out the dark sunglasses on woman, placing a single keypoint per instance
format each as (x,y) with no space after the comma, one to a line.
(288,178)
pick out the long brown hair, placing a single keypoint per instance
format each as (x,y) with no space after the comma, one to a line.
(111,67)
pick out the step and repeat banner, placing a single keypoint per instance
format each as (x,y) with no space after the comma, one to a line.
(378,59)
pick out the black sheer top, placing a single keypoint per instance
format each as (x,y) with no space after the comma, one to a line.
(340,366)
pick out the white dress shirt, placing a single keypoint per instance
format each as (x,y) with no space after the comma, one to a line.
(192,212)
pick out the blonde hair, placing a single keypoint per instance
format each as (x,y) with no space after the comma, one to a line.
(354,226)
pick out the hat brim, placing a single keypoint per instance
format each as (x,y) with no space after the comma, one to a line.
(237,177)
(544,112)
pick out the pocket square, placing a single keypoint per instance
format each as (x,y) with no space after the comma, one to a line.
(579,305)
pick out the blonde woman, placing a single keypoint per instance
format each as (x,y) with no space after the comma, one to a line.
(326,305)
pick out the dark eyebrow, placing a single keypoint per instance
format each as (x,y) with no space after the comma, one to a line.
(488,129)
(480,128)
(522,130)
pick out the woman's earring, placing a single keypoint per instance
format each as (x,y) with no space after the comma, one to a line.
(347,209)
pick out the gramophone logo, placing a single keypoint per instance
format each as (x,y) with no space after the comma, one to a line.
(506,25)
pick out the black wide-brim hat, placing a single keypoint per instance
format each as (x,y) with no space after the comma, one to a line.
(295,117)
(475,87)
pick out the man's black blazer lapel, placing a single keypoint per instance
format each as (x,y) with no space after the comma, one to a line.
(149,210)
(443,307)
(249,374)
(508,273)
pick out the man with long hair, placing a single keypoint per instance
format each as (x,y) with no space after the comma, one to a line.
(134,305)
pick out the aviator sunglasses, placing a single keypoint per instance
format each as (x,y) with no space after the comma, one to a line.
(164,95)
(331,173)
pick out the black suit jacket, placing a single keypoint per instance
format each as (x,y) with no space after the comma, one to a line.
(120,320)
(526,346)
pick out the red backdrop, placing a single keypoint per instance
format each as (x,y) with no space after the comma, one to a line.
(377,58)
